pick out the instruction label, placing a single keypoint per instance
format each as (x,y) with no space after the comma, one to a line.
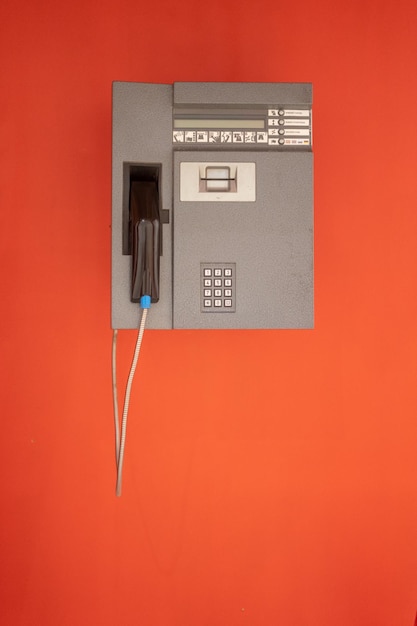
(286,141)
(300,132)
(178,136)
(289,112)
(297,112)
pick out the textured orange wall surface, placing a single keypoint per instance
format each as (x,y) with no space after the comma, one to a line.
(271,476)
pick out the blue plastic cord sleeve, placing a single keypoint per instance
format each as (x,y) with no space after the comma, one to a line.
(145,302)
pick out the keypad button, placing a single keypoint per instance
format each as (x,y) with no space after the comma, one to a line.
(217,287)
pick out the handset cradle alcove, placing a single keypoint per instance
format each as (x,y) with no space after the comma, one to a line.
(146,240)
(143,230)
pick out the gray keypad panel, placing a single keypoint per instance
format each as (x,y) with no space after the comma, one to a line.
(218,287)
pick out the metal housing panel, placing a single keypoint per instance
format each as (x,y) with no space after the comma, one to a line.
(270,240)
(142,127)
(241,93)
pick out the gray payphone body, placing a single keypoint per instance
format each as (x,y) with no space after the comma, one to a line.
(232,167)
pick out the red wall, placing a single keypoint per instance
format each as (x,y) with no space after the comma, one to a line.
(271,477)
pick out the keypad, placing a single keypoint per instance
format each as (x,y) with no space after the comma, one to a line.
(218,287)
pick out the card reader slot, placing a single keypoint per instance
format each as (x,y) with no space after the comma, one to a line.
(218,178)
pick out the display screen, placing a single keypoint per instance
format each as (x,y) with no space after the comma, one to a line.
(213,123)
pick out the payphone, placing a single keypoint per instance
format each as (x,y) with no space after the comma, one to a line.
(212,205)
(212,211)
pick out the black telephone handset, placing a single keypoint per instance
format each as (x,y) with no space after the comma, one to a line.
(146,239)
